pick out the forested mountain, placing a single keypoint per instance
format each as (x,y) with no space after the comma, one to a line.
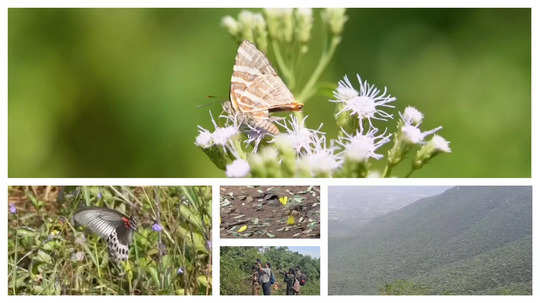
(351,207)
(467,240)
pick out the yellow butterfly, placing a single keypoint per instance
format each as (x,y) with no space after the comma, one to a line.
(284,200)
(242,229)
(290,220)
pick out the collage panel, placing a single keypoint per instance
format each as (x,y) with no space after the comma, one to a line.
(281,212)
(109,240)
(430,240)
(295,92)
(270,270)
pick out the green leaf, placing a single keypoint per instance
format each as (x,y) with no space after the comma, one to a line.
(43,257)
(154,274)
(202,281)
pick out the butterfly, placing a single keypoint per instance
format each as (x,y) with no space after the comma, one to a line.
(256,90)
(112,226)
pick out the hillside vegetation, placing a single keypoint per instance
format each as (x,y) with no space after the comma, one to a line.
(467,240)
(236,264)
(48,254)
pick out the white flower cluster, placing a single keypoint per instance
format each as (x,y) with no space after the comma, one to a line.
(307,152)
(242,149)
(222,136)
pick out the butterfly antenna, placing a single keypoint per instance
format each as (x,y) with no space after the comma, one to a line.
(214,100)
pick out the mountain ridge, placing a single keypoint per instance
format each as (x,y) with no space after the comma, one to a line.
(458,224)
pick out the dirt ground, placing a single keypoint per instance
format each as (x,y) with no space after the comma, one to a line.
(256,212)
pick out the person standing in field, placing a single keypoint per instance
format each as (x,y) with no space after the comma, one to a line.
(255,285)
(300,280)
(289,282)
(265,276)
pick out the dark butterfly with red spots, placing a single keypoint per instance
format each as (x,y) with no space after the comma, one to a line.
(112,226)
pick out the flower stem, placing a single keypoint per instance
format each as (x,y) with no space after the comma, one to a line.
(387,170)
(96,260)
(410,172)
(282,65)
(308,89)
(15,264)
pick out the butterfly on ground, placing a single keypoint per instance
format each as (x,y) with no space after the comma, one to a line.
(112,226)
(256,90)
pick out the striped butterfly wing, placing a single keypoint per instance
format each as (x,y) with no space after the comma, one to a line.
(110,225)
(256,89)
(99,220)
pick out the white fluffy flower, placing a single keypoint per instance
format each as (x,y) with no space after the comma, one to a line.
(440,144)
(255,135)
(412,134)
(361,147)
(222,135)
(299,136)
(320,160)
(239,168)
(345,90)
(365,103)
(412,116)
(204,139)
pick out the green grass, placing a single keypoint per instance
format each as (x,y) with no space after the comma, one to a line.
(49,256)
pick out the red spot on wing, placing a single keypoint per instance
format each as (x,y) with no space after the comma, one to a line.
(126,222)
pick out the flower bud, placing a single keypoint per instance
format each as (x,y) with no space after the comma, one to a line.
(335,19)
(256,165)
(261,33)
(231,25)
(433,147)
(271,162)
(247,25)
(287,154)
(304,23)
(280,23)
(239,168)
(412,116)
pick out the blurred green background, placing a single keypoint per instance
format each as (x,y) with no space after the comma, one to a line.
(116,92)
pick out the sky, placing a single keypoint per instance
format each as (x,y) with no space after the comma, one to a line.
(347,197)
(313,251)
(390,190)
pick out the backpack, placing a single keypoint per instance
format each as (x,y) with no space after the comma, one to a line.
(296,286)
(302,279)
(290,280)
(265,278)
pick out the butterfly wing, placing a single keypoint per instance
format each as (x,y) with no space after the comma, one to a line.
(255,85)
(256,89)
(270,92)
(118,242)
(100,220)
